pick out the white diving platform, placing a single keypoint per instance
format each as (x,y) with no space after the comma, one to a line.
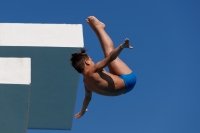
(36,59)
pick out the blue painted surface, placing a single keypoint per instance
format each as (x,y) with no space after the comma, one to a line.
(14,103)
(53,85)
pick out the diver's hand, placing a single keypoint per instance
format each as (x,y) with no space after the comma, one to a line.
(80,114)
(125,44)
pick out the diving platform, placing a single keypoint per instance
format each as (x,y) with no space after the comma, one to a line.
(39,86)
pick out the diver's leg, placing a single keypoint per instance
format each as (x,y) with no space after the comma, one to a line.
(117,66)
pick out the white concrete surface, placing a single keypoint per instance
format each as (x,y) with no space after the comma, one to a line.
(44,35)
(15,70)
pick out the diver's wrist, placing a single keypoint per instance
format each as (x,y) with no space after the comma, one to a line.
(121,46)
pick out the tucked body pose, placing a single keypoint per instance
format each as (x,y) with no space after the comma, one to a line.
(119,80)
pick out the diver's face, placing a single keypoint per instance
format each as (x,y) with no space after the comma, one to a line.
(91,61)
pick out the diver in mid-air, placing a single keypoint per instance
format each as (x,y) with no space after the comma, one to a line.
(119,80)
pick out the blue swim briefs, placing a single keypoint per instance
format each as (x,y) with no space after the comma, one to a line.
(129,80)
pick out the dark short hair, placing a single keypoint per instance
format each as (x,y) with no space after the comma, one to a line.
(78,59)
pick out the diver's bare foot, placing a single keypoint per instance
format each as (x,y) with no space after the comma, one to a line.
(95,23)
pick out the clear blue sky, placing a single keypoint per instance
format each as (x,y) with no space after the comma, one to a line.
(165,35)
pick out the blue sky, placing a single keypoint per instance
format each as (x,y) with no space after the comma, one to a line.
(165,35)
